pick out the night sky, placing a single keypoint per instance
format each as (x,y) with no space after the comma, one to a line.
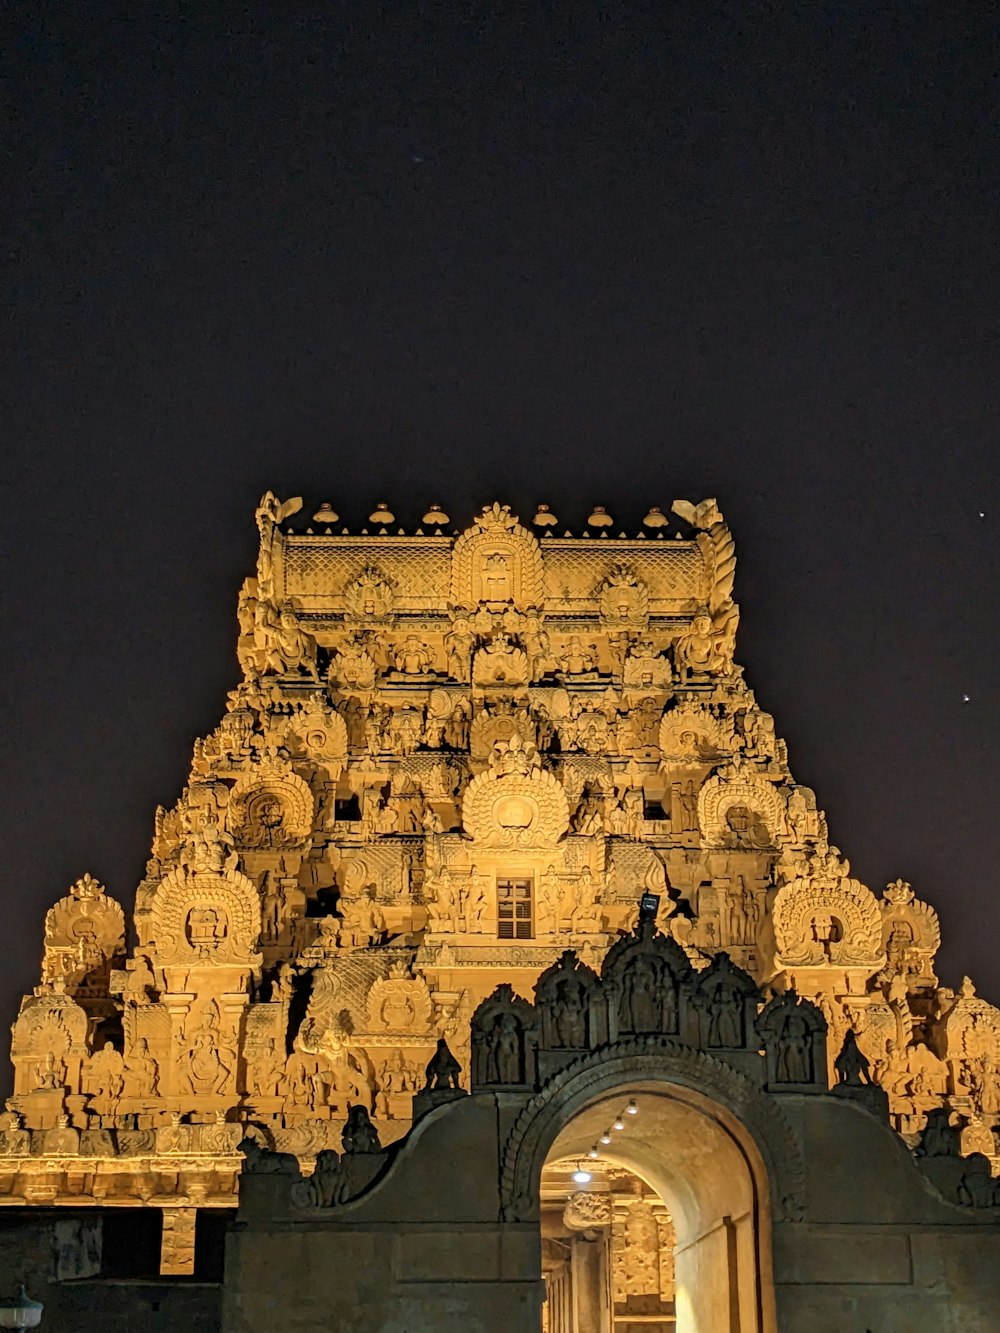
(460,253)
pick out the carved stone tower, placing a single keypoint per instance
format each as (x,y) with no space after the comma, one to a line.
(451,758)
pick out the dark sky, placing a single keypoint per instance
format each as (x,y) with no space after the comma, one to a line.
(447,253)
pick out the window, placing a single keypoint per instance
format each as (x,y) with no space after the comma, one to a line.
(514,909)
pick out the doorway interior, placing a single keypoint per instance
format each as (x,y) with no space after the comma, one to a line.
(654,1219)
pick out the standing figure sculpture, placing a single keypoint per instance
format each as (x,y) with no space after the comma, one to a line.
(443,1070)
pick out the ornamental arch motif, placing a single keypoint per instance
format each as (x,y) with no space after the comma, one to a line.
(515,810)
(800,910)
(496,561)
(198,916)
(719,795)
(274,810)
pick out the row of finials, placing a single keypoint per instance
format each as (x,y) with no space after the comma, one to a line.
(436,518)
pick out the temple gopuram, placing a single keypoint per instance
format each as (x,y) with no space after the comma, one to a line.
(462,769)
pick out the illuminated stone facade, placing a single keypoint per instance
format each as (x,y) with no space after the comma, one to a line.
(451,758)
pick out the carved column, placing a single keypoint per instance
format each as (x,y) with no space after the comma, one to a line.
(591,1283)
(177,1241)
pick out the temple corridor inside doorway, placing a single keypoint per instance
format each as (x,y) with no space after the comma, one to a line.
(650,1220)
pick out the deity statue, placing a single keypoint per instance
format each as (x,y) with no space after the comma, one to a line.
(477,903)
(456,730)
(586,913)
(141,1073)
(575,659)
(793,1062)
(362,921)
(441,897)
(640,1003)
(852,1065)
(283,647)
(264,1072)
(103,1074)
(503,1051)
(209,1061)
(698,651)
(536,644)
(458,645)
(569,1018)
(413,657)
(50,1072)
(588,818)
(359,1134)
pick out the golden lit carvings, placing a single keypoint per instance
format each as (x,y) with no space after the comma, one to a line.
(205,917)
(271,810)
(369,597)
(496,562)
(450,758)
(739,810)
(84,936)
(827,919)
(515,803)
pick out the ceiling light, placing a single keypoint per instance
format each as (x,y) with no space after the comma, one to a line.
(606,1136)
(632,1109)
(619,1124)
(582,1177)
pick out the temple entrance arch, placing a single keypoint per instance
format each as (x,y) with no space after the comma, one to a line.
(703,1153)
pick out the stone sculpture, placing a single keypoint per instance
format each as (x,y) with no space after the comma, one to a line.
(448,759)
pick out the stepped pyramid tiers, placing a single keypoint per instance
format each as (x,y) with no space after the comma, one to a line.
(449,759)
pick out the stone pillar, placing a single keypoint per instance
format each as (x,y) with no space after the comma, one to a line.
(591,1284)
(177,1241)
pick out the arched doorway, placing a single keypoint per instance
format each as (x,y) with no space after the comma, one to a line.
(676,1237)
(701,1152)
